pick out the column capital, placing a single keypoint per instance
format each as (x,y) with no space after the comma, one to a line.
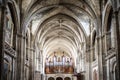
(21,35)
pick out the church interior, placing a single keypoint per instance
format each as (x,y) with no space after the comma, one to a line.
(59,39)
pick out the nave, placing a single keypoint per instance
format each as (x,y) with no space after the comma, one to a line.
(59,40)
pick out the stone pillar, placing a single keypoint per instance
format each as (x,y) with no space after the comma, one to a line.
(90,61)
(32,60)
(20,56)
(104,63)
(113,33)
(116,10)
(100,58)
(108,70)
(117,38)
(78,61)
(89,64)
(2,16)
(39,61)
(90,53)
(42,63)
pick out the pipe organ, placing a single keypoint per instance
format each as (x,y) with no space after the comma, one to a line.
(59,64)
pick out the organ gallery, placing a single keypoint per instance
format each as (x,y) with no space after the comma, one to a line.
(59,64)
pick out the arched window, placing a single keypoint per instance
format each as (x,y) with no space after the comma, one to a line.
(108,30)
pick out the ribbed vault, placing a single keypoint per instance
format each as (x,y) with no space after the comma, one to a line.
(61,25)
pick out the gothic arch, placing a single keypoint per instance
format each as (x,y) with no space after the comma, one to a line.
(30,14)
(113,68)
(16,21)
(107,25)
(67,78)
(59,78)
(106,14)
(51,78)
(115,71)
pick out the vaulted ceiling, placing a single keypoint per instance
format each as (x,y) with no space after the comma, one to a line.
(60,24)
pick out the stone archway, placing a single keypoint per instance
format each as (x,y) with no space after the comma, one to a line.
(67,78)
(51,78)
(59,78)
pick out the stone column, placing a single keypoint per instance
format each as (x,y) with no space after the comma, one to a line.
(42,63)
(117,38)
(116,10)
(108,70)
(104,63)
(78,61)
(88,64)
(113,33)
(39,61)
(31,62)
(90,60)
(20,56)
(2,17)
(105,42)
(100,59)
